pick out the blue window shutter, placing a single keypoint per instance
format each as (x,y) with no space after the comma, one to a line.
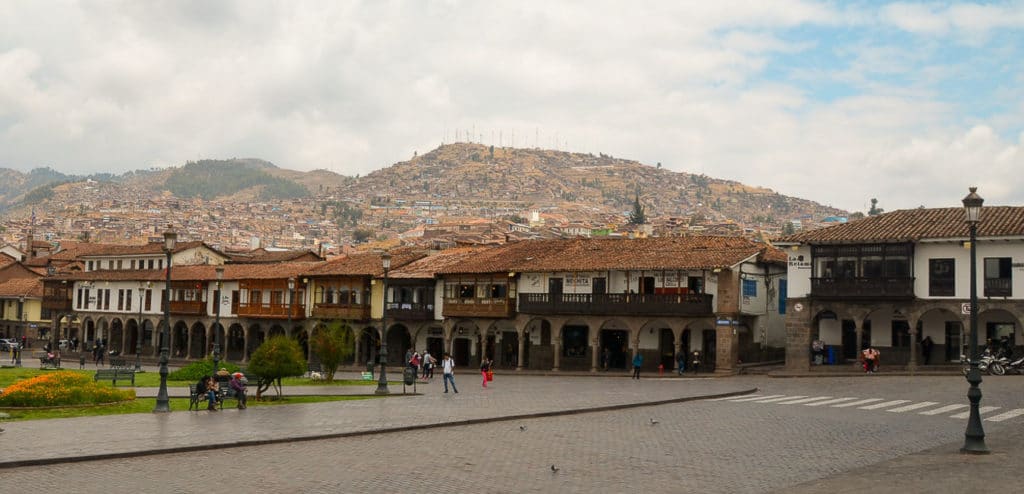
(782,296)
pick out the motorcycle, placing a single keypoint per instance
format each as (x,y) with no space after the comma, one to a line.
(1014,367)
(988,363)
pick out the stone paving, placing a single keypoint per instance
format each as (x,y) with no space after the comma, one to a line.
(699,446)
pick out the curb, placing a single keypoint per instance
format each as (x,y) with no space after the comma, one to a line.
(405,428)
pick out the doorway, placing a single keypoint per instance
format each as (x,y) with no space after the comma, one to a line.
(460,352)
(954,341)
(614,348)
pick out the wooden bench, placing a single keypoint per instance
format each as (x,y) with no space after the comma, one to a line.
(49,363)
(114,375)
(367,376)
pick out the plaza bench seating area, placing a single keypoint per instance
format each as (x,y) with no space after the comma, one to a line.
(114,375)
(49,363)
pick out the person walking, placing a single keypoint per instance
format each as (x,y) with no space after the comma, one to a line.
(638,361)
(681,362)
(926,349)
(428,365)
(485,365)
(448,368)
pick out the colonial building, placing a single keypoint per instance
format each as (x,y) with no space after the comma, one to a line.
(888,281)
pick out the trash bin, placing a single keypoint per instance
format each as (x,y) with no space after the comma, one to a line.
(369,366)
(831,350)
(409,376)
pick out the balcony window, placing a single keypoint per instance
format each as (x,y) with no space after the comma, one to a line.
(998,277)
(499,291)
(941,277)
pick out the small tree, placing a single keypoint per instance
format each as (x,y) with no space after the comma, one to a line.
(332,344)
(638,216)
(277,357)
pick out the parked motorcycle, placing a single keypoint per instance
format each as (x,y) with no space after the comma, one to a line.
(1014,367)
(988,363)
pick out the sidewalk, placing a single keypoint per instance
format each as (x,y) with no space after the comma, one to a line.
(42,442)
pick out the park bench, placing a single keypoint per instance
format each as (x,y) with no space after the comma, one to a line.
(49,363)
(114,375)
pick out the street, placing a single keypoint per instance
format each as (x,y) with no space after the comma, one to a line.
(789,432)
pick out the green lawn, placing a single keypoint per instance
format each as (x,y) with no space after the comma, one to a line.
(10,375)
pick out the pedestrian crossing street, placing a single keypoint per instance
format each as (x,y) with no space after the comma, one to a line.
(930,408)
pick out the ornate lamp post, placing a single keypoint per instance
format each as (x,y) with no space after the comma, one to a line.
(140,330)
(163,404)
(382,382)
(21,341)
(974,437)
(216,320)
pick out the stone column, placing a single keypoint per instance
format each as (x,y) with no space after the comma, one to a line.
(188,344)
(524,339)
(595,350)
(727,348)
(859,330)
(246,343)
(914,346)
(557,344)
(679,349)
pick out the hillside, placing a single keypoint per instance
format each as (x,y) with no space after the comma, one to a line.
(453,181)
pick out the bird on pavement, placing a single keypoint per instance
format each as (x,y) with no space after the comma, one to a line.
(654,422)
(553,468)
(522,428)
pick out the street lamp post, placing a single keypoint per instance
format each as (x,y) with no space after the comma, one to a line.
(974,437)
(382,382)
(140,328)
(291,295)
(216,320)
(21,342)
(163,404)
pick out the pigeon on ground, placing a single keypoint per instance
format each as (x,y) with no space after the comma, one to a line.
(553,468)
(522,428)
(654,422)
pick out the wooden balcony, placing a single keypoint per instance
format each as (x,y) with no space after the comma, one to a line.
(998,287)
(599,304)
(57,304)
(472,307)
(351,312)
(190,308)
(270,311)
(863,288)
(410,312)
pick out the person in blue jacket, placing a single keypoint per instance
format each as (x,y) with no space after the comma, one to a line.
(638,361)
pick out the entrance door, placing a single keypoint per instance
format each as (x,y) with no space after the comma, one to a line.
(667,348)
(555,290)
(435,346)
(460,352)
(616,342)
(647,285)
(710,352)
(600,286)
(954,344)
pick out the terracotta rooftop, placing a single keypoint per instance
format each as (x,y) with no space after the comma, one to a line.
(203,272)
(365,264)
(581,254)
(22,287)
(910,225)
(143,249)
(264,256)
(429,266)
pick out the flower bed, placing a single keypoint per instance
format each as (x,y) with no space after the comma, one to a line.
(61,389)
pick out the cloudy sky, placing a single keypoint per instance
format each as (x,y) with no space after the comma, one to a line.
(838,102)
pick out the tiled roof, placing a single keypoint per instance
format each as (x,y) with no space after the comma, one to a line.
(144,249)
(581,254)
(22,287)
(910,225)
(71,251)
(276,256)
(203,272)
(6,259)
(428,267)
(365,264)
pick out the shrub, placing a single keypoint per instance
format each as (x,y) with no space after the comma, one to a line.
(61,388)
(277,357)
(332,344)
(194,370)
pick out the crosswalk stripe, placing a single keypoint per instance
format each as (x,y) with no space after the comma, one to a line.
(915,406)
(828,402)
(966,414)
(772,400)
(892,403)
(803,400)
(855,403)
(728,398)
(1006,415)
(947,408)
(759,397)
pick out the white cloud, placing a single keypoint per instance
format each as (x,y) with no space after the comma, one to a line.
(355,86)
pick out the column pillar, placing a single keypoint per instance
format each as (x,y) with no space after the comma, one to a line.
(595,350)
(726,347)
(524,339)
(557,344)
(188,344)
(859,330)
(914,346)
(679,350)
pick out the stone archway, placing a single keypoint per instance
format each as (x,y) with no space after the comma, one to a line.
(399,342)
(234,343)
(198,342)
